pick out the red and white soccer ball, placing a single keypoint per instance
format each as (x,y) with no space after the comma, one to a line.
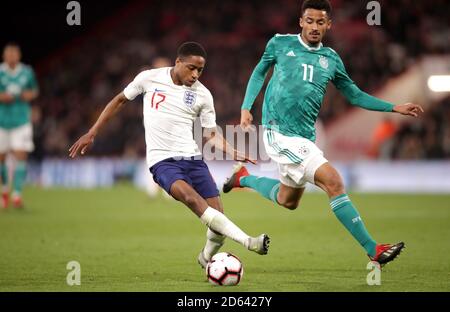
(224,269)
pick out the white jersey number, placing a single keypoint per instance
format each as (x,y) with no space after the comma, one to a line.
(305,72)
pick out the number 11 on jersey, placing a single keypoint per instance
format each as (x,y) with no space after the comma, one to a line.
(305,72)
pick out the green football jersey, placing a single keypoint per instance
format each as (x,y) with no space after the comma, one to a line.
(18,112)
(296,89)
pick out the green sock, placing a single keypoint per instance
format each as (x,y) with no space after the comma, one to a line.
(20,173)
(267,187)
(350,218)
(4,174)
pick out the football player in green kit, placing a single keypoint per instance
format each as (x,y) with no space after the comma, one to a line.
(17,88)
(302,69)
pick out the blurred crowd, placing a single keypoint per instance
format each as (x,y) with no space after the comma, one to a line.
(77,84)
(426,138)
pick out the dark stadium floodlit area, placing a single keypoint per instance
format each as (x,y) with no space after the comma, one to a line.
(76,84)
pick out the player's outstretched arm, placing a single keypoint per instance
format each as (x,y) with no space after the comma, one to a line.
(218,141)
(359,98)
(83,143)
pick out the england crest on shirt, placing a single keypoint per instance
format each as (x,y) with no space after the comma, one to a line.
(189,98)
(323,61)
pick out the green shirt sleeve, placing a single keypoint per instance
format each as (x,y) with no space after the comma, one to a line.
(32,82)
(258,76)
(354,95)
(2,86)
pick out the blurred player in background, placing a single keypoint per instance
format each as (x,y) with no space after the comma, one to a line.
(303,68)
(18,87)
(173,98)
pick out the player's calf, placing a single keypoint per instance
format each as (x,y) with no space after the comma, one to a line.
(184,193)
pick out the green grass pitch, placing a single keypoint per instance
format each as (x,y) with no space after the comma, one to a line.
(125,241)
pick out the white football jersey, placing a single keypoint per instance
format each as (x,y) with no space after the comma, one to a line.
(169,113)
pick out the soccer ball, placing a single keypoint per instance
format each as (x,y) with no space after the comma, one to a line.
(224,269)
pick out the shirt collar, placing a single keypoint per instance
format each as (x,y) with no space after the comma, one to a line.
(14,72)
(307,46)
(170,80)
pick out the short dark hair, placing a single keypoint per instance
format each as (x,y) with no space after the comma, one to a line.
(191,48)
(322,5)
(12,44)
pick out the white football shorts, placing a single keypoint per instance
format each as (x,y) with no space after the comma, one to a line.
(297,158)
(17,139)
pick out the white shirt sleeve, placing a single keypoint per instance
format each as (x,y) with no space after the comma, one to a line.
(208,114)
(136,87)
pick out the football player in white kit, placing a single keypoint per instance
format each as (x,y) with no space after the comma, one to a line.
(173,98)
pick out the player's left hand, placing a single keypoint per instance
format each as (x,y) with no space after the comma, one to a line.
(81,145)
(28,95)
(408,109)
(239,156)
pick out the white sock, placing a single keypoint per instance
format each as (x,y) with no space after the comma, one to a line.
(213,243)
(218,222)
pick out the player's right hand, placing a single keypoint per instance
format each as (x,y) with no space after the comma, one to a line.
(246,120)
(6,97)
(81,145)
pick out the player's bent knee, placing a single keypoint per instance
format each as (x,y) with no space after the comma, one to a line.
(291,205)
(190,200)
(288,203)
(335,187)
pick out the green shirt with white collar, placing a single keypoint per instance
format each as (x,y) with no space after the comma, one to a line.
(296,89)
(18,112)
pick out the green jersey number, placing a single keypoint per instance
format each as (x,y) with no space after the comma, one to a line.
(307,68)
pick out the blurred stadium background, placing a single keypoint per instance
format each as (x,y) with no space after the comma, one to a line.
(80,68)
